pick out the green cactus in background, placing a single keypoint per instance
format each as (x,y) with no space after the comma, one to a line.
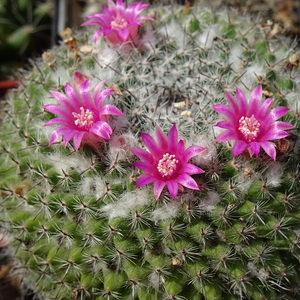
(24,31)
(71,210)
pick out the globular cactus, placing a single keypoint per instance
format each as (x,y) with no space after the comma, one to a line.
(99,213)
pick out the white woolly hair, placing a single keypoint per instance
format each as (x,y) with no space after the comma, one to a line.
(44,132)
(206,39)
(118,123)
(64,163)
(210,202)
(235,55)
(174,31)
(293,99)
(166,211)
(205,158)
(61,77)
(108,56)
(120,145)
(92,186)
(274,174)
(246,178)
(128,202)
(249,79)
(148,39)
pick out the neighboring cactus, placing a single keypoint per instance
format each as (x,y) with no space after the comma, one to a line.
(76,222)
(24,31)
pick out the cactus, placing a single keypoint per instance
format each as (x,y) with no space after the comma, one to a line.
(83,219)
(24,31)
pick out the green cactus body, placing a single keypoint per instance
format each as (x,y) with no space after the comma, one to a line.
(77,224)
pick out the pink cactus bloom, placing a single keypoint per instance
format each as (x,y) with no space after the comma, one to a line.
(251,124)
(83,115)
(118,23)
(166,163)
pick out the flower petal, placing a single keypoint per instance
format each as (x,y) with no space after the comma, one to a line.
(145,166)
(93,22)
(278,112)
(243,105)
(180,149)
(239,147)
(144,179)
(57,110)
(56,121)
(84,90)
(78,139)
(123,34)
(224,124)
(158,187)
(61,98)
(111,5)
(107,31)
(102,129)
(187,181)
(255,100)
(192,151)
(99,97)
(279,125)
(97,34)
(225,136)
(232,101)
(273,135)
(173,139)
(269,148)
(173,188)
(264,109)
(150,143)
(111,110)
(145,18)
(191,169)
(255,147)
(58,132)
(72,96)
(226,111)
(142,154)
(68,136)
(161,138)
(79,77)
(98,91)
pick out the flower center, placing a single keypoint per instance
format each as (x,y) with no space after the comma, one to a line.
(85,119)
(249,127)
(118,23)
(167,165)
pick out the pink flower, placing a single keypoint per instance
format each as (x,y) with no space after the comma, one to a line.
(166,163)
(118,24)
(83,115)
(251,124)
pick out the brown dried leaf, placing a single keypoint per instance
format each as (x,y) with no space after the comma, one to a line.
(267,93)
(113,86)
(275,31)
(49,58)
(283,145)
